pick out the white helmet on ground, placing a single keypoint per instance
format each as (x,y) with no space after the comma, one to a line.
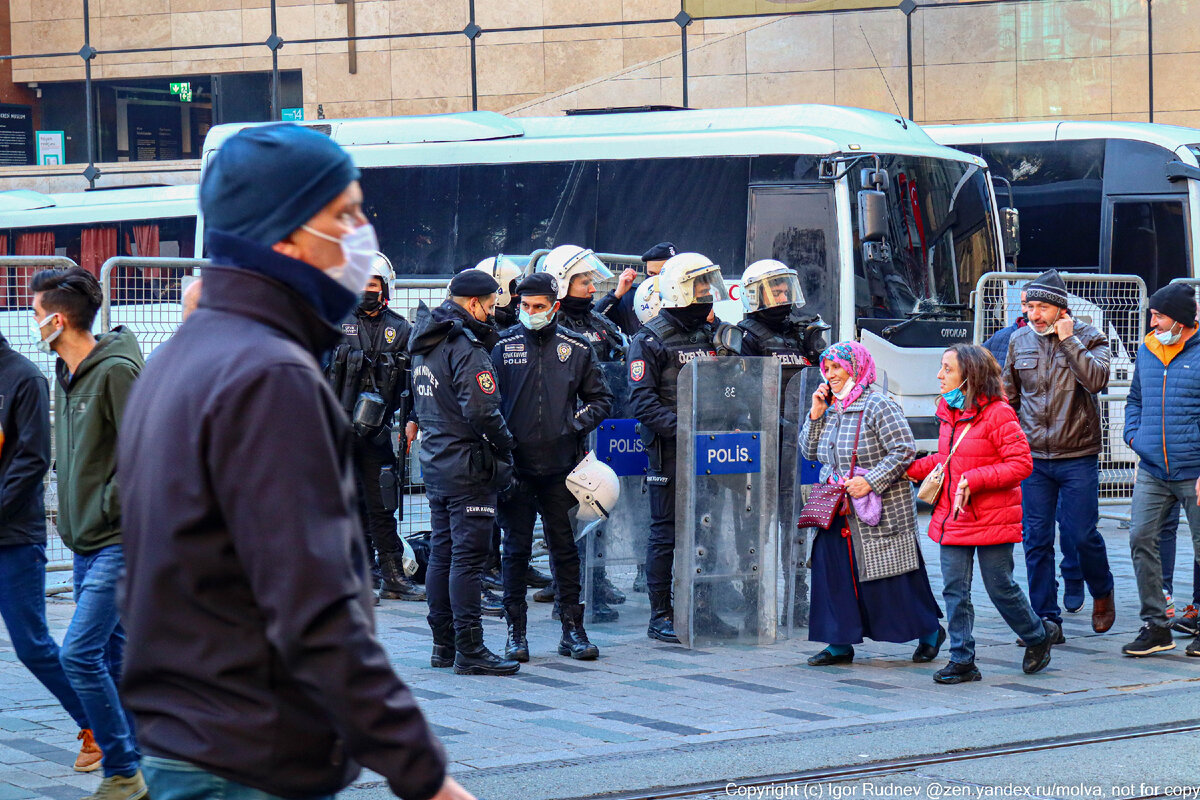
(595,486)
(569,261)
(690,278)
(770,283)
(646,300)
(506,273)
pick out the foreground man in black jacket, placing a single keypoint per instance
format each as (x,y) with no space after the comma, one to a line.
(553,396)
(466,461)
(252,657)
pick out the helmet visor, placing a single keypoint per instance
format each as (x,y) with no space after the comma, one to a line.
(707,287)
(588,268)
(771,291)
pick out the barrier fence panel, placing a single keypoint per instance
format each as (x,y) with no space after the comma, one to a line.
(1118,306)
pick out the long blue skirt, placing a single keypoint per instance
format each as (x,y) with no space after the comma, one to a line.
(844,611)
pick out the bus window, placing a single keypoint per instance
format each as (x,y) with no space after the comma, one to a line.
(796,225)
(1149,239)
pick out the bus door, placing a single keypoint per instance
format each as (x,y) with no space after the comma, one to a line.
(796,224)
(1147,236)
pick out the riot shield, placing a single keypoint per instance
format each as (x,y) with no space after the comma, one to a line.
(795,474)
(726,507)
(613,550)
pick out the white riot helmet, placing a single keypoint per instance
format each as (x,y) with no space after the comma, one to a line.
(646,300)
(769,283)
(506,273)
(381,267)
(570,261)
(595,486)
(690,278)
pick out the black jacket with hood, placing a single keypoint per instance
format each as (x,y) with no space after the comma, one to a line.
(25,448)
(466,448)
(252,650)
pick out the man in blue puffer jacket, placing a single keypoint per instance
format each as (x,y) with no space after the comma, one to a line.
(1162,425)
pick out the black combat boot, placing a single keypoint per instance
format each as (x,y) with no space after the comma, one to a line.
(443,645)
(473,658)
(604,591)
(395,585)
(490,604)
(574,642)
(535,578)
(707,621)
(662,625)
(545,594)
(639,580)
(517,646)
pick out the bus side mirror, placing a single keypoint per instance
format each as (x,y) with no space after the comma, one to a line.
(873,225)
(1010,226)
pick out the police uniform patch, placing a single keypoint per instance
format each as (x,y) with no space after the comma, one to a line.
(564,352)
(349,329)
(389,335)
(487,384)
(637,369)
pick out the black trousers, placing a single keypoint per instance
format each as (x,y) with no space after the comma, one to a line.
(549,497)
(371,456)
(458,553)
(660,547)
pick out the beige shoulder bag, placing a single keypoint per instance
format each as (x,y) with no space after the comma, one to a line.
(931,487)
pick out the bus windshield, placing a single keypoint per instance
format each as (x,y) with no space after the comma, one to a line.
(942,238)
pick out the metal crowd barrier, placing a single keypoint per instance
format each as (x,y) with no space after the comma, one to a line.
(1117,305)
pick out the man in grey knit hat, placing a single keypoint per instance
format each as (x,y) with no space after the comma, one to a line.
(1055,368)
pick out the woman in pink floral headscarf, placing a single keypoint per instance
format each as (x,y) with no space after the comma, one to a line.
(868,579)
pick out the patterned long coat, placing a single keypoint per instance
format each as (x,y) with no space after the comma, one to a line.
(885,449)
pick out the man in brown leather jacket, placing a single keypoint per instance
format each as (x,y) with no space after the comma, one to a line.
(1055,368)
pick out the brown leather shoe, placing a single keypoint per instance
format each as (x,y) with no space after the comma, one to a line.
(89,756)
(1104,613)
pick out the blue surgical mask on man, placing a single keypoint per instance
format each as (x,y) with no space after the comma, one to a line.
(535,322)
(955,397)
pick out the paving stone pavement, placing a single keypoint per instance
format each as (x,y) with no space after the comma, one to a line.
(643,695)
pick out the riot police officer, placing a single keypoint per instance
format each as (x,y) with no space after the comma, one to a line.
(681,332)
(620,305)
(576,271)
(552,396)
(466,461)
(368,371)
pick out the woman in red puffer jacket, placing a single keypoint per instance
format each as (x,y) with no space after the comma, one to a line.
(978,512)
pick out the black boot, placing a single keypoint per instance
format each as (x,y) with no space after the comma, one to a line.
(491,579)
(545,594)
(662,625)
(603,590)
(395,585)
(574,642)
(707,621)
(490,604)
(535,578)
(517,646)
(639,580)
(602,612)
(473,658)
(443,645)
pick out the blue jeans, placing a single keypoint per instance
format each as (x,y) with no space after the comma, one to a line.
(1152,499)
(23,607)
(996,567)
(169,779)
(92,654)
(1068,488)
(1167,548)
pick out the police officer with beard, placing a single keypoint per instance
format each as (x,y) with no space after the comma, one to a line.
(466,461)
(368,371)
(576,271)
(553,396)
(689,284)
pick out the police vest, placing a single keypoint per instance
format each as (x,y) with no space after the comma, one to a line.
(681,347)
(606,339)
(372,359)
(788,347)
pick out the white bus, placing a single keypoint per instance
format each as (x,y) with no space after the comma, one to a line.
(1110,197)
(881,223)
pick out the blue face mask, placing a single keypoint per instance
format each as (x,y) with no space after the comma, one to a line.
(535,322)
(955,397)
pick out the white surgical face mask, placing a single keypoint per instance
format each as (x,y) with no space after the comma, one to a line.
(358,248)
(44,344)
(1170,337)
(1049,326)
(535,322)
(845,390)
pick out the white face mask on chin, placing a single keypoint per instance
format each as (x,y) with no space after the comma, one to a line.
(844,392)
(358,248)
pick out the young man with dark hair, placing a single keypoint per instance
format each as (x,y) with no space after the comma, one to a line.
(94,377)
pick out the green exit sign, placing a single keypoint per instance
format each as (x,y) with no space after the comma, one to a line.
(180,88)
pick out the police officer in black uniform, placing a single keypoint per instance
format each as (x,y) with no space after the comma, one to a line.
(466,460)
(553,396)
(680,333)
(775,323)
(577,270)
(369,373)
(617,305)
